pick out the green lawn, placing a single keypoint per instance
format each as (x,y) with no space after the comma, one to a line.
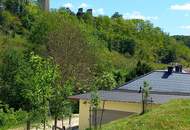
(174,115)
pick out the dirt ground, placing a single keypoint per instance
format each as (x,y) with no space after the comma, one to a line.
(74,122)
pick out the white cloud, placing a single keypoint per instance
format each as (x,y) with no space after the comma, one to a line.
(83,5)
(182,7)
(100,11)
(68,5)
(138,15)
(185,27)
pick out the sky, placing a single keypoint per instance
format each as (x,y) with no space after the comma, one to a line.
(172,16)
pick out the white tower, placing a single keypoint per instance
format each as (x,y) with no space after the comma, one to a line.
(44,4)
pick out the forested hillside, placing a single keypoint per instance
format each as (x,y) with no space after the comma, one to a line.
(47,56)
(183,39)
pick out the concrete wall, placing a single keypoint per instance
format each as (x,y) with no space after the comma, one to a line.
(109,105)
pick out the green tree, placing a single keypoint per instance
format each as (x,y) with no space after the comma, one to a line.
(106,81)
(10,24)
(94,104)
(145,95)
(67,44)
(142,68)
(36,78)
(60,106)
(117,15)
(11,60)
(15,6)
(168,55)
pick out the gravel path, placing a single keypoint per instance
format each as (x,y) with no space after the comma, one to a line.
(74,122)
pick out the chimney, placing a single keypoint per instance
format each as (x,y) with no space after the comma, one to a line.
(178,68)
(170,69)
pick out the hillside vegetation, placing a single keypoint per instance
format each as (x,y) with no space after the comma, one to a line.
(171,116)
(47,56)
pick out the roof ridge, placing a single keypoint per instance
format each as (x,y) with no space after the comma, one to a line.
(172,72)
(136,78)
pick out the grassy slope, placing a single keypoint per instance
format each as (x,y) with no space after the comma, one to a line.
(172,116)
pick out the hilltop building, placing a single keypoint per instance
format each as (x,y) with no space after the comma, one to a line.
(89,11)
(81,12)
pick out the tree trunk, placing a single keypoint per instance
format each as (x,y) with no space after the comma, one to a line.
(143,103)
(55,123)
(70,117)
(95,121)
(62,123)
(102,114)
(90,118)
(28,125)
(44,123)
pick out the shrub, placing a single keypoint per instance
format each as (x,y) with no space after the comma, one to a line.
(12,118)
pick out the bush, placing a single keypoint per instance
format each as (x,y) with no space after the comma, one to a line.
(12,118)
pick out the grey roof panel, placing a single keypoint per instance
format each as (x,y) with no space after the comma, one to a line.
(160,81)
(128,97)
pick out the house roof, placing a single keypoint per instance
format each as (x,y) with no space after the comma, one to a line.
(161,82)
(119,96)
(165,87)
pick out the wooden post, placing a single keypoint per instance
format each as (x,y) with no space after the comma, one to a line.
(143,102)
(95,119)
(90,118)
(102,114)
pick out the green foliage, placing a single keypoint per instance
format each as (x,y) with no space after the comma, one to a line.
(12,5)
(10,118)
(117,15)
(146,90)
(60,106)
(8,70)
(29,15)
(183,39)
(120,76)
(95,98)
(66,43)
(31,90)
(94,104)
(109,51)
(37,84)
(106,81)
(141,68)
(168,55)
(10,24)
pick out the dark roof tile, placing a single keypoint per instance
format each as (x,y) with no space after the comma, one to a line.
(175,82)
(128,97)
